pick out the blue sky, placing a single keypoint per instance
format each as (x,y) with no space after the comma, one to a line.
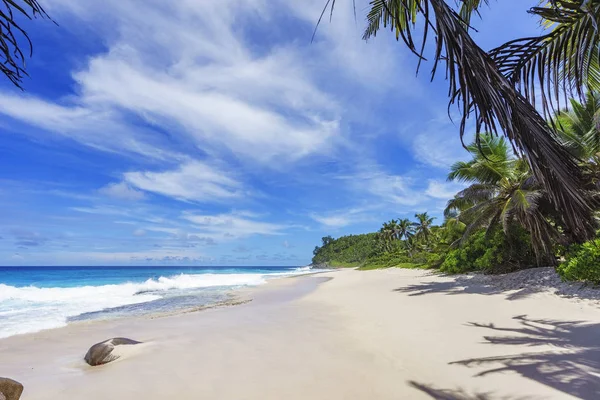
(215,133)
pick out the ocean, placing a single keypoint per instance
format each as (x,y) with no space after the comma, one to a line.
(37,298)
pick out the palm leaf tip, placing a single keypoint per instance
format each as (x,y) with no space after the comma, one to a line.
(12,56)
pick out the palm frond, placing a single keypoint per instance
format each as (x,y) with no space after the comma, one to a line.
(560,63)
(468,8)
(12,56)
(578,128)
(481,90)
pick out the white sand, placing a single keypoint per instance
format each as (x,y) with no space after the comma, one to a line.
(353,337)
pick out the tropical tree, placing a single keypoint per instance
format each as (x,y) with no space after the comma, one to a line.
(499,88)
(502,192)
(326,240)
(405,229)
(579,130)
(388,234)
(12,54)
(423,227)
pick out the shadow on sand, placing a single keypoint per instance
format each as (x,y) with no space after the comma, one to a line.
(573,366)
(460,394)
(463,286)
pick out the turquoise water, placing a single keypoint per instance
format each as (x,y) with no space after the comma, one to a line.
(37,298)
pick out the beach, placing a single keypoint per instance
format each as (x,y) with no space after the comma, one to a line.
(382,334)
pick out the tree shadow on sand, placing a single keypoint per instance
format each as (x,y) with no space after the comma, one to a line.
(514,286)
(573,367)
(459,394)
(463,286)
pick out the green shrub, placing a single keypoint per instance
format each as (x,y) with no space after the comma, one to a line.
(582,263)
(434,260)
(492,253)
(386,260)
(411,266)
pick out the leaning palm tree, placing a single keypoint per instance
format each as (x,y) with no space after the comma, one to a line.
(498,88)
(12,56)
(502,192)
(423,227)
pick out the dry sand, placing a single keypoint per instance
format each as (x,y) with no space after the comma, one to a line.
(386,334)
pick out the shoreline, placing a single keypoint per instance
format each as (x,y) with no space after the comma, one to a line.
(382,334)
(229,296)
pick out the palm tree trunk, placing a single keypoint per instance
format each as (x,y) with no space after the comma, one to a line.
(478,87)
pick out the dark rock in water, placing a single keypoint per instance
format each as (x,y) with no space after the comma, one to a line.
(10,390)
(102,353)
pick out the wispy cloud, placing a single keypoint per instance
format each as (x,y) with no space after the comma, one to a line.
(194,181)
(390,188)
(443,190)
(234,225)
(342,218)
(121,191)
(199,79)
(437,143)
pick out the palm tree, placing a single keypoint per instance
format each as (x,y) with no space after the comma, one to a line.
(498,88)
(388,233)
(405,229)
(502,192)
(12,57)
(579,129)
(423,227)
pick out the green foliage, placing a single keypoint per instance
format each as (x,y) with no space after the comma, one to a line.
(387,260)
(347,251)
(503,221)
(582,263)
(491,252)
(503,192)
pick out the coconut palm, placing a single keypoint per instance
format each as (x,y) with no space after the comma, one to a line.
(423,227)
(12,56)
(498,88)
(502,192)
(388,234)
(579,128)
(405,229)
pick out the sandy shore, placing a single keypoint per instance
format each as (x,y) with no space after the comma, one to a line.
(386,334)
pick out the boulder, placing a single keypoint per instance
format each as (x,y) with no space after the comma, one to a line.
(103,352)
(10,390)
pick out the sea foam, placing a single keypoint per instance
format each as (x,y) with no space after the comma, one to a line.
(31,309)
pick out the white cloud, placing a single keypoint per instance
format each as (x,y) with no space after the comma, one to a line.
(101,129)
(103,210)
(121,191)
(139,233)
(194,181)
(438,143)
(342,218)
(443,190)
(233,225)
(334,221)
(129,257)
(393,189)
(186,69)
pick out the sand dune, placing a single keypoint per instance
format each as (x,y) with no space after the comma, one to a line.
(387,334)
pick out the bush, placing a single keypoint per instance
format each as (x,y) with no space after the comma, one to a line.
(411,266)
(582,263)
(492,253)
(387,260)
